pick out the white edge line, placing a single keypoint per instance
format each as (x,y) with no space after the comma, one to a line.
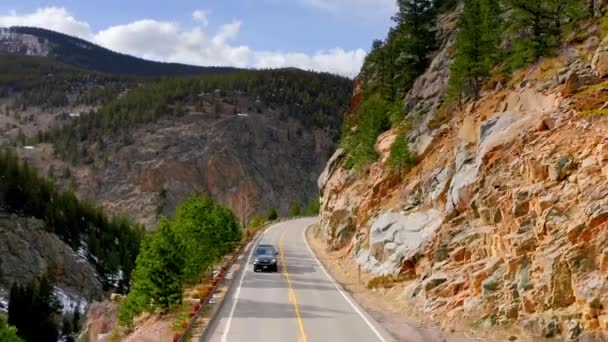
(238,289)
(341,290)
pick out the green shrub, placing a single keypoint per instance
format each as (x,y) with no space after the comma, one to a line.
(295,210)
(313,206)
(400,159)
(272,214)
(396,114)
(257,222)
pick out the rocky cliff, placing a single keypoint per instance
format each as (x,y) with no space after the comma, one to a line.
(250,162)
(503,222)
(27,251)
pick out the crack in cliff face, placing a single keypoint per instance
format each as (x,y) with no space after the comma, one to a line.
(503,220)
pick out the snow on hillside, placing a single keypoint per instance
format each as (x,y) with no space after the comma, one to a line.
(69,301)
(11,42)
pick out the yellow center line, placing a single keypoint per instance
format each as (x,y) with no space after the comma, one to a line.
(292,293)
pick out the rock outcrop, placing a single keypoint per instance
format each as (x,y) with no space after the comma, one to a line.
(28,252)
(504,220)
(102,317)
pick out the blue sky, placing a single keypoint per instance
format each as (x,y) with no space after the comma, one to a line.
(324,35)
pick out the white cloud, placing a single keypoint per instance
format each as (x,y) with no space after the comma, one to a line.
(170,42)
(201,17)
(52,18)
(336,60)
(150,38)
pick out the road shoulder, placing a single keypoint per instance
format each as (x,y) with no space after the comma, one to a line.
(383,305)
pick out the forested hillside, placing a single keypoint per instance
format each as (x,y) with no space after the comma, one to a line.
(494,39)
(83,54)
(86,122)
(313,99)
(39,81)
(110,244)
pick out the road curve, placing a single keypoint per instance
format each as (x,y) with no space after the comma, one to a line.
(299,303)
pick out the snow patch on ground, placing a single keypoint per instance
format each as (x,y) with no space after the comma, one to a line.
(69,301)
(83,253)
(118,277)
(3,302)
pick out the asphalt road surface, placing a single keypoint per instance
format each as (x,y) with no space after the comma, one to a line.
(299,303)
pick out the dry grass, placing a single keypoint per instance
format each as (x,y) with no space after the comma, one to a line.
(389,281)
(518,77)
(443,115)
(549,68)
(592,100)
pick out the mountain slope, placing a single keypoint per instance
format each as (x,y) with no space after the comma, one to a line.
(496,220)
(252,139)
(33,41)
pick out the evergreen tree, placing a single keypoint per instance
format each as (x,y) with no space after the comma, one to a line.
(542,23)
(180,251)
(400,159)
(414,41)
(159,268)
(8,333)
(469,67)
(476,48)
(67,330)
(206,231)
(33,310)
(76,319)
(272,214)
(370,120)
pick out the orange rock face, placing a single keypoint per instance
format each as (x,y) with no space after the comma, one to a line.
(520,184)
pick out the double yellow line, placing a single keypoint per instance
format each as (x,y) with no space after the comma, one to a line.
(292,293)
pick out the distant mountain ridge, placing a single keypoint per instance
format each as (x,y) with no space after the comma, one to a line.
(78,52)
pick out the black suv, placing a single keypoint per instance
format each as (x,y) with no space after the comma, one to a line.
(265,258)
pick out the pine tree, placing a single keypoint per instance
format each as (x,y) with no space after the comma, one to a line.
(476,48)
(491,30)
(67,330)
(468,68)
(76,319)
(414,40)
(159,268)
(33,309)
(8,333)
(400,159)
(47,307)
(544,21)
